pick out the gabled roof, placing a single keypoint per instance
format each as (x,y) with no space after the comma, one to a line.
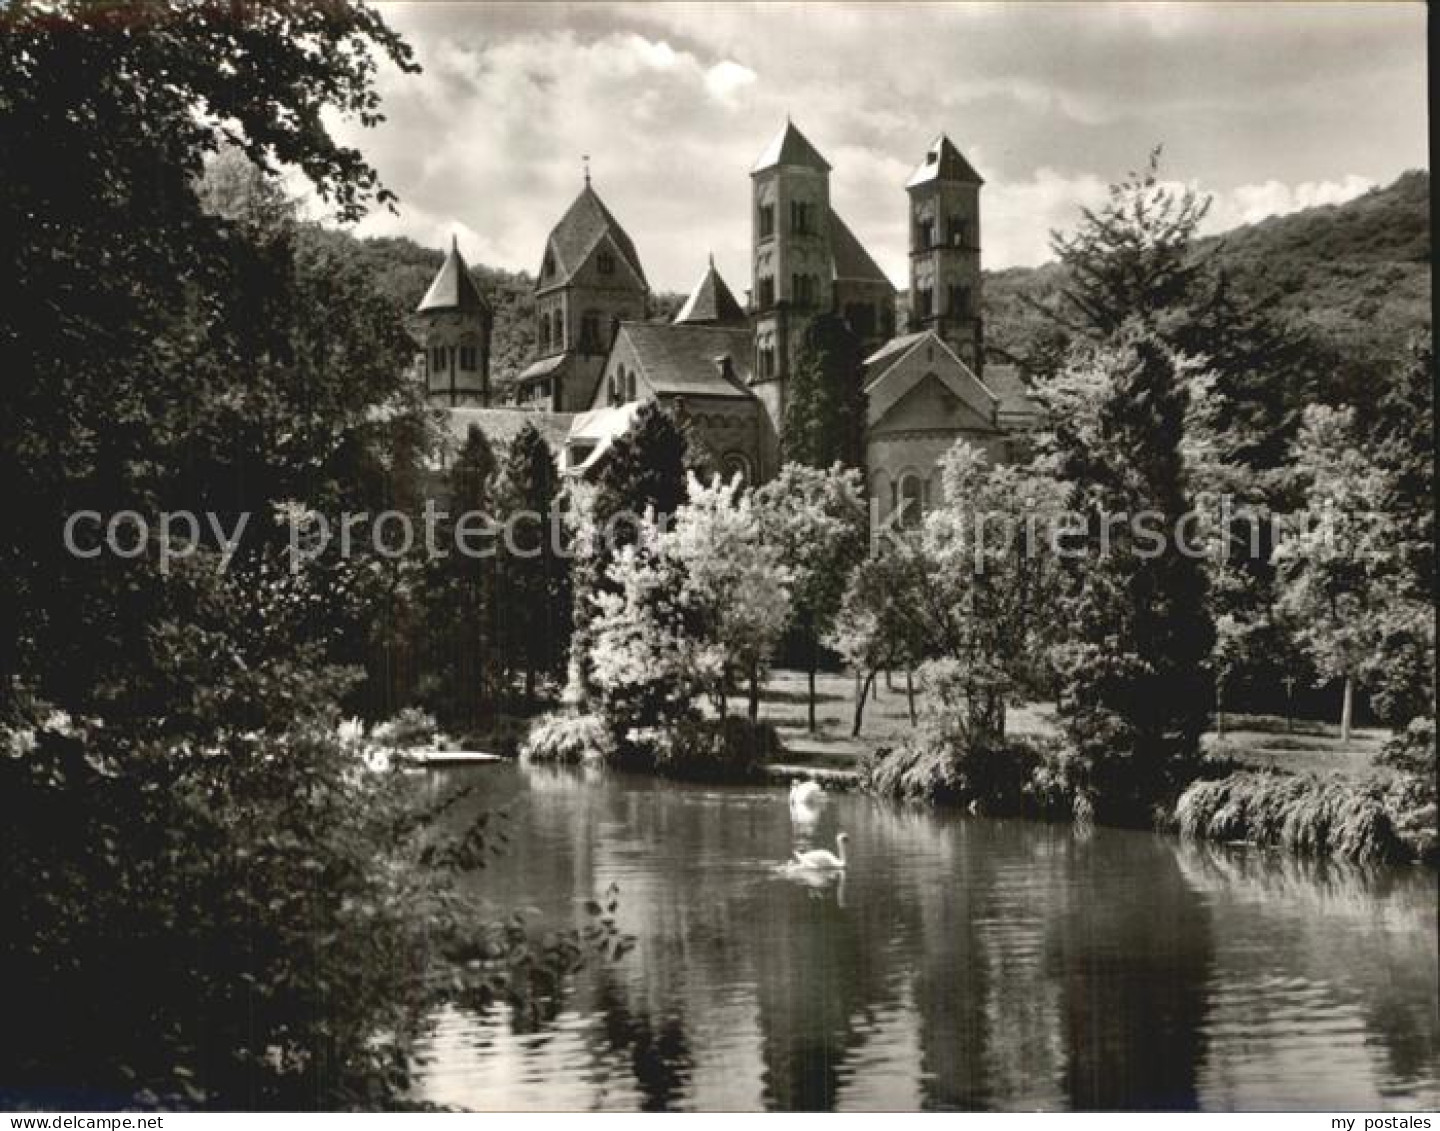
(452,287)
(790,147)
(586,222)
(894,348)
(943,162)
(684,359)
(711,302)
(1010,389)
(887,382)
(849,257)
(598,430)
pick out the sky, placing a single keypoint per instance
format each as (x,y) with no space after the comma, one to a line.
(1268,107)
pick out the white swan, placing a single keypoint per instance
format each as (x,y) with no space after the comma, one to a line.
(822,859)
(806,798)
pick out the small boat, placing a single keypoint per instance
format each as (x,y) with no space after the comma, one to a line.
(428,758)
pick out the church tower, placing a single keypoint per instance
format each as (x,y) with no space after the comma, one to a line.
(590,280)
(945,250)
(791,265)
(452,326)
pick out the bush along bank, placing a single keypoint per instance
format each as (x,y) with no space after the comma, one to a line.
(1390,818)
(729,749)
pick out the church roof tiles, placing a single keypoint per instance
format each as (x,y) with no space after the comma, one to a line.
(851,260)
(586,222)
(687,360)
(790,147)
(711,302)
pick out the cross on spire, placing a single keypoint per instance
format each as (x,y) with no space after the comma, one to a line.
(585,158)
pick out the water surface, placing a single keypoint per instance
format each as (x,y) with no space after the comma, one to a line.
(963,964)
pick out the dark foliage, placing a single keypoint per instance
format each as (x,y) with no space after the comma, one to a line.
(1134,689)
(825,400)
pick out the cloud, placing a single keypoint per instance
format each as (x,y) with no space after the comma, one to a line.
(726,79)
(1270,110)
(1246,204)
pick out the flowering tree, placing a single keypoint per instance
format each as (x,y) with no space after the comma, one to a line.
(648,657)
(736,577)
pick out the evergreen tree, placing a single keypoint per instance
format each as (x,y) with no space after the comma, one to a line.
(1133,258)
(534,572)
(462,605)
(1134,689)
(825,400)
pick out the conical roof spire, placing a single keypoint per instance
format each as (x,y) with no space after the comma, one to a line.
(711,302)
(452,287)
(790,147)
(943,162)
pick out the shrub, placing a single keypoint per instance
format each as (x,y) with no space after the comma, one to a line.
(1008,776)
(410,728)
(724,749)
(569,738)
(1410,796)
(1308,815)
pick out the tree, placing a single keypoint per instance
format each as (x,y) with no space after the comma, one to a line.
(534,571)
(736,579)
(816,518)
(825,399)
(974,588)
(1134,687)
(1345,573)
(644,471)
(649,657)
(462,597)
(266,922)
(1133,258)
(872,629)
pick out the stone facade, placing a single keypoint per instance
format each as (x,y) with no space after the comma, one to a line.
(725,368)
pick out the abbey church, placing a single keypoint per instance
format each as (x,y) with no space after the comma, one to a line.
(725,365)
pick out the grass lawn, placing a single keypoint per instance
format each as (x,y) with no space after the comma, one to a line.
(1255,740)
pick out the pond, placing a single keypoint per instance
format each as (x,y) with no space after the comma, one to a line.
(962,963)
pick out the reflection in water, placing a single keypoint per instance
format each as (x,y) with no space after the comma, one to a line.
(959,964)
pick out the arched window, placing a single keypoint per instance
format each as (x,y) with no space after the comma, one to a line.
(612,392)
(630,385)
(912,499)
(590,332)
(735,463)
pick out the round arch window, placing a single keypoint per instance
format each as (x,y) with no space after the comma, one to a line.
(733,463)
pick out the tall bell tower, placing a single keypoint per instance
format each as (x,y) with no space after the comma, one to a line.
(945,250)
(792,270)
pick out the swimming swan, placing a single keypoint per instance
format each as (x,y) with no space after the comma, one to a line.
(822,859)
(806,797)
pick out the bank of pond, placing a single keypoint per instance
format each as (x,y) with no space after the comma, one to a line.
(1388,817)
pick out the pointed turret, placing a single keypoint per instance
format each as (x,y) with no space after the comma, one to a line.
(790,147)
(711,303)
(945,276)
(943,162)
(453,288)
(452,326)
